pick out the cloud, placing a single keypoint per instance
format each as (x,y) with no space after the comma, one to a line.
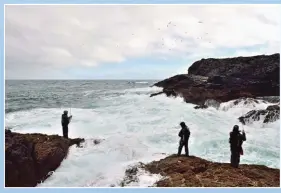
(40,39)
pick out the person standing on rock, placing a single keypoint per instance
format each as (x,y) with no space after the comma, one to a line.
(236,140)
(65,120)
(184,137)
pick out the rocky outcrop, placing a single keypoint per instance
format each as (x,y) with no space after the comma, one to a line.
(201,107)
(131,175)
(196,172)
(31,158)
(270,114)
(261,67)
(227,79)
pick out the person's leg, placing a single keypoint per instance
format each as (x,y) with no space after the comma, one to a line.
(180,149)
(186,149)
(65,132)
(236,157)
(232,158)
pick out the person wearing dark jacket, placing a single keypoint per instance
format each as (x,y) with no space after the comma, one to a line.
(236,140)
(184,137)
(65,120)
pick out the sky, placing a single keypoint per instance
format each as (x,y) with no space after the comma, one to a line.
(131,41)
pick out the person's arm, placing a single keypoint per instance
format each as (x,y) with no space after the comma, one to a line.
(180,133)
(229,138)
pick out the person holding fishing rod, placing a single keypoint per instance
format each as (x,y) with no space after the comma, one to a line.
(65,120)
(236,140)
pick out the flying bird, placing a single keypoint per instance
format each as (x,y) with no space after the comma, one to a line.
(169,24)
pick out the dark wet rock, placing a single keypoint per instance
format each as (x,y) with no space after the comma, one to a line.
(253,115)
(273,108)
(201,107)
(90,142)
(31,158)
(226,79)
(97,141)
(155,94)
(197,172)
(131,175)
(270,114)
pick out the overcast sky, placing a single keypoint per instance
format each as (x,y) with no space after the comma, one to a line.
(131,41)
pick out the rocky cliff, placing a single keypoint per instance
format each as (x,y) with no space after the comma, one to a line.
(30,158)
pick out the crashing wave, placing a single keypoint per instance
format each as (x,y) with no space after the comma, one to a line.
(270,99)
(212,103)
(242,102)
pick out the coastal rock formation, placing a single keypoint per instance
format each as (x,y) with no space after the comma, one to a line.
(196,172)
(270,114)
(131,175)
(227,79)
(31,158)
(201,107)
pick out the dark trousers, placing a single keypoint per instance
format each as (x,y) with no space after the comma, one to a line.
(185,144)
(235,158)
(65,131)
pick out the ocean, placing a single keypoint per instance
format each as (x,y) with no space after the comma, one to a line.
(132,127)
